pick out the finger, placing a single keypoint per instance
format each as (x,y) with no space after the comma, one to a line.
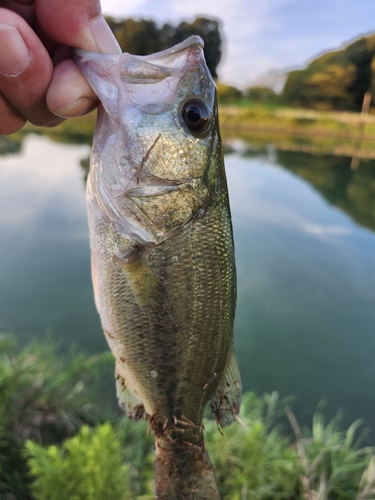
(69,94)
(26,69)
(76,24)
(10,119)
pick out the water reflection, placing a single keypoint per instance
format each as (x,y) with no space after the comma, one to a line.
(45,285)
(353,191)
(305,251)
(306,277)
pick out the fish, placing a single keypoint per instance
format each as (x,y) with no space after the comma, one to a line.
(162,253)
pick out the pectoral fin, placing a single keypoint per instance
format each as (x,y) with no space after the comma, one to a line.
(148,290)
(226,401)
(129,402)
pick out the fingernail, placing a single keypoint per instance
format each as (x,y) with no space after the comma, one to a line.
(104,38)
(80,107)
(14,54)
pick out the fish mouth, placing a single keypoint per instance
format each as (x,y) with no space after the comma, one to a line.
(151,68)
(189,42)
(192,46)
(192,41)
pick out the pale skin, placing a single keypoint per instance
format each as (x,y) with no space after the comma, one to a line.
(39,82)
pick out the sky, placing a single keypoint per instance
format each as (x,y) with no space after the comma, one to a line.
(263,38)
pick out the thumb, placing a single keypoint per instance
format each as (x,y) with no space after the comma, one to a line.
(76,24)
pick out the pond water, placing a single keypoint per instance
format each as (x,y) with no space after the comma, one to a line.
(305,247)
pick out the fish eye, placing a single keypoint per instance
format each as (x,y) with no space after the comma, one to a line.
(196,115)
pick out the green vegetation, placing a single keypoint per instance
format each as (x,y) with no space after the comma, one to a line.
(308,122)
(335,80)
(87,466)
(262,94)
(56,442)
(98,463)
(227,94)
(44,398)
(249,97)
(10,145)
(292,129)
(331,132)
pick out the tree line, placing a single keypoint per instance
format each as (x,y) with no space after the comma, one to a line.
(335,80)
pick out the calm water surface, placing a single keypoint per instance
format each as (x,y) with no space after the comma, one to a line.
(305,247)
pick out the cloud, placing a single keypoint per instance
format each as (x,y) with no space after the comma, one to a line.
(121,8)
(44,168)
(324,230)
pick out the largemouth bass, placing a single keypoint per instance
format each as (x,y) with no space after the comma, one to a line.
(162,252)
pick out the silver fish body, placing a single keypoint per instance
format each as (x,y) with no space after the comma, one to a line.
(162,251)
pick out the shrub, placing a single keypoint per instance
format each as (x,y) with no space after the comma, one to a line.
(44,398)
(87,467)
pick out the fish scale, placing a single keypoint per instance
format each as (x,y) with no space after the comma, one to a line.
(162,253)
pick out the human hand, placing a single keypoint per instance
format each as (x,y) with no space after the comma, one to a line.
(38,78)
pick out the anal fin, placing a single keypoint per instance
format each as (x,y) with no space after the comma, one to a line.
(129,402)
(226,401)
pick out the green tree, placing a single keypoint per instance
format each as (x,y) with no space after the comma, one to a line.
(228,94)
(337,79)
(141,37)
(372,85)
(209,31)
(261,93)
(331,88)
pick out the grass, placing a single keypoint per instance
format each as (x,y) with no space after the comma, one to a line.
(280,119)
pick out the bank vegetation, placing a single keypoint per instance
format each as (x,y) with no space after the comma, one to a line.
(61,438)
